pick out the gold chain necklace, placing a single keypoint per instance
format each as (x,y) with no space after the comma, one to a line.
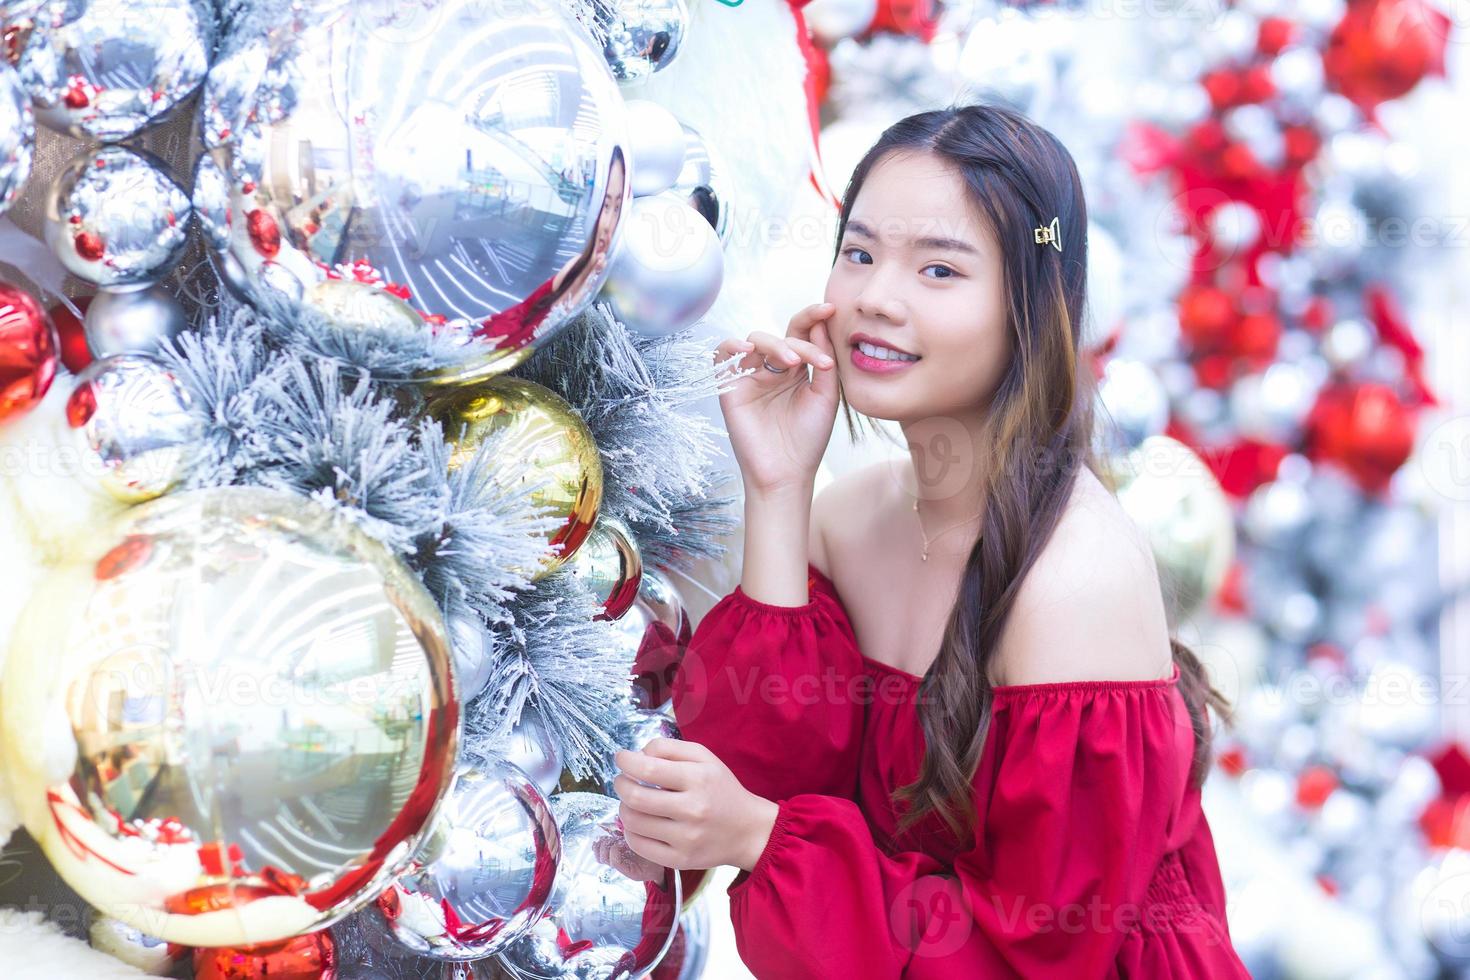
(924,556)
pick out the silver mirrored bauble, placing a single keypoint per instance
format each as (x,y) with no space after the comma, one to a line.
(484,872)
(612,913)
(702,184)
(108,68)
(116,219)
(669,269)
(256,706)
(135,322)
(658,141)
(134,425)
(531,749)
(472,655)
(643,36)
(211,202)
(657,628)
(17,136)
(487,197)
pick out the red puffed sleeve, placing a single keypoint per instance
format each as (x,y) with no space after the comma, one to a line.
(775,692)
(1079,799)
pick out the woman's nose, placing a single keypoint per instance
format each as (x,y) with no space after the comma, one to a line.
(876,300)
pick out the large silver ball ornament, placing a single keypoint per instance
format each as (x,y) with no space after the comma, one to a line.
(703,185)
(484,872)
(107,68)
(134,322)
(668,271)
(657,147)
(486,198)
(228,718)
(612,913)
(134,425)
(116,219)
(643,36)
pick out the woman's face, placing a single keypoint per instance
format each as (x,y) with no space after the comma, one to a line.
(919,269)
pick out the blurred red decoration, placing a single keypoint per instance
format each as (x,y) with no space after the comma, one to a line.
(28,348)
(915,18)
(1363,427)
(1381,49)
(309,957)
(75,353)
(1314,785)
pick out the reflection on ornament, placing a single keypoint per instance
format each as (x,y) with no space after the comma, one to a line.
(134,425)
(609,565)
(28,351)
(702,184)
(532,750)
(130,945)
(17,136)
(689,951)
(659,629)
(544,449)
(134,322)
(211,201)
(1171,494)
(484,873)
(256,701)
(473,663)
(668,269)
(309,957)
(643,36)
(116,219)
(495,190)
(612,912)
(108,68)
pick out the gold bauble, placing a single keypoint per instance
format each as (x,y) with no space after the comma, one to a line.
(544,447)
(609,565)
(1170,492)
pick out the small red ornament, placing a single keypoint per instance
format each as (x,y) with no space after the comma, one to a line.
(309,957)
(1381,49)
(27,351)
(265,234)
(1363,427)
(1205,316)
(1314,785)
(75,353)
(89,245)
(1274,34)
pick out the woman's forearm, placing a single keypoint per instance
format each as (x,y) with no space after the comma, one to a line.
(776,527)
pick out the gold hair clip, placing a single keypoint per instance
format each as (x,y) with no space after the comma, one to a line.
(1050,235)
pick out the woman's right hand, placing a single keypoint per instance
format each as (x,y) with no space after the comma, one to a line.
(779,424)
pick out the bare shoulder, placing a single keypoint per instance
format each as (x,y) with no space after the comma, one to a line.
(852,493)
(1091,607)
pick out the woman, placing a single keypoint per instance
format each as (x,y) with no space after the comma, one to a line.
(941,725)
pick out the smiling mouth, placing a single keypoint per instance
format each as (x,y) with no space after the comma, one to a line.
(873,359)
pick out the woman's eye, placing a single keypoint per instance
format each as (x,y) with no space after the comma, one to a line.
(948,272)
(853,248)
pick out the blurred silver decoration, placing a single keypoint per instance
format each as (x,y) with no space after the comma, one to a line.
(1347,343)
(472,655)
(211,202)
(612,913)
(108,68)
(531,749)
(487,198)
(643,36)
(1011,58)
(130,945)
(832,20)
(669,269)
(134,426)
(657,147)
(134,322)
(1270,406)
(1234,227)
(608,564)
(658,628)
(702,184)
(259,700)
(1277,513)
(115,218)
(17,136)
(1135,402)
(484,872)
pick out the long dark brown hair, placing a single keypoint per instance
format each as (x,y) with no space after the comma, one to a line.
(1038,430)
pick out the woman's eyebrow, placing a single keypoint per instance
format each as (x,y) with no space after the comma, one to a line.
(928,241)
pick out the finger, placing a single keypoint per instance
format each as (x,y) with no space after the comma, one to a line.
(812,354)
(654,850)
(677,748)
(801,324)
(778,350)
(667,773)
(648,800)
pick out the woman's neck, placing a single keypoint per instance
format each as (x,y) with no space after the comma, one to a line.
(946,469)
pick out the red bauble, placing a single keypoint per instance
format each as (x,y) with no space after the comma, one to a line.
(1314,785)
(75,353)
(309,957)
(1254,337)
(1205,316)
(1274,34)
(915,18)
(265,234)
(1363,427)
(27,351)
(1381,49)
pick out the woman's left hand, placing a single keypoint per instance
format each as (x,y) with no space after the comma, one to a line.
(696,814)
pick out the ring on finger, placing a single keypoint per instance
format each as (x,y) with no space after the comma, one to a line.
(773,370)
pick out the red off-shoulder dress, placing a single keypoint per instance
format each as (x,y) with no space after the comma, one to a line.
(1091,856)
